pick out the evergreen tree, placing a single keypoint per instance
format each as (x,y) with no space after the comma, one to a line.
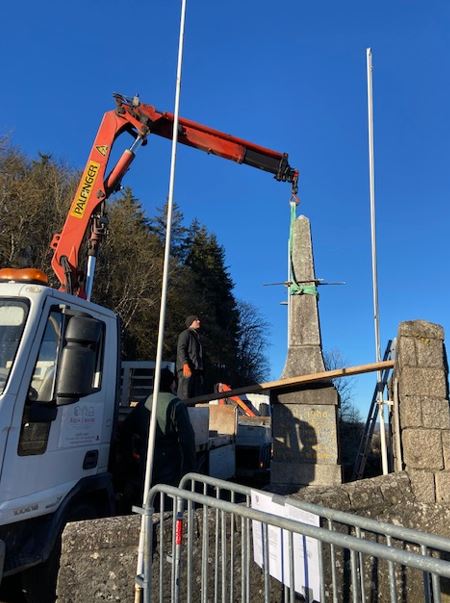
(215,303)
(158,225)
(128,278)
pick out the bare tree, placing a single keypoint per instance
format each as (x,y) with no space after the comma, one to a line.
(347,411)
(252,337)
(350,420)
(34,198)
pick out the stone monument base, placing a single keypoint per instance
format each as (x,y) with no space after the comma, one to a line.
(305,474)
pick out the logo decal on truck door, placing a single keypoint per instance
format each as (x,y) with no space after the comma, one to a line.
(81,424)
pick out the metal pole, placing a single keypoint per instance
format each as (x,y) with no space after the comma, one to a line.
(162,316)
(374,260)
(92,260)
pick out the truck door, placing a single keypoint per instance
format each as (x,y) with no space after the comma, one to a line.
(51,447)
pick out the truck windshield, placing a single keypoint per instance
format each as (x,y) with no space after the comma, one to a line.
(12,321)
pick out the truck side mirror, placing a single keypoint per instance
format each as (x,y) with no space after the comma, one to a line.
(78,359)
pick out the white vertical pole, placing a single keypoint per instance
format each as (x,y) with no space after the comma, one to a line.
(374,260)
(162,316)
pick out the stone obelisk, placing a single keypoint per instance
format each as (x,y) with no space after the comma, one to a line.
(304,422)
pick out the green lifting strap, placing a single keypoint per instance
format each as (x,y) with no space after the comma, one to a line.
(294,287)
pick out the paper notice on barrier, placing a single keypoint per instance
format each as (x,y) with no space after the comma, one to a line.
(306,555)
(276,546)
(273,547)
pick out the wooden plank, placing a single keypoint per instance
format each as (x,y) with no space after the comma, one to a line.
(298,380)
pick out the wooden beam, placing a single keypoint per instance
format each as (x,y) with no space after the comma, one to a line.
(298,380)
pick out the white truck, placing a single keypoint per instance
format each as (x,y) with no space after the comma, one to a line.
(58,402)
(59,358)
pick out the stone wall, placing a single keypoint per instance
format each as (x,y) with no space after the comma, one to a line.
(99,557)
(98,560)
(424,419)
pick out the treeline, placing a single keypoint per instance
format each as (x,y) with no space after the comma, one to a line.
(35,195)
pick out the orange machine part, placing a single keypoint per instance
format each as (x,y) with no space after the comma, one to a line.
(23,275)
(223,387)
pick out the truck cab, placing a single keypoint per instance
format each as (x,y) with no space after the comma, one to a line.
(58,403)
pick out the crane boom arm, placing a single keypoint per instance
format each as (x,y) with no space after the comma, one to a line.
(223,145)
(95,186)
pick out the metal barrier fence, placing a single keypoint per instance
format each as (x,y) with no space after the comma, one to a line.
(207,543)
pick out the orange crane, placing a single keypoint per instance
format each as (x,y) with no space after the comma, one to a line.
(87,210)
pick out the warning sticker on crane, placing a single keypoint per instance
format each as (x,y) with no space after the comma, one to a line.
(102,149)
(84,190)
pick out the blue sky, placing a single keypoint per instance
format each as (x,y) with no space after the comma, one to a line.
(290,76)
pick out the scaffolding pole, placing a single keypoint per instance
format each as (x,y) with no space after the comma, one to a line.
(145,526)
(374,261)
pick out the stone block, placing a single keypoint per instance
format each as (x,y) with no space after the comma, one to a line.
(446,447)
(397,489)
(393,490)
(99,560)
(443,486)
(435,413)
(420,328)
(305,314)
(422,484)
(302,253)
(334,497)
(364,497)
(322,394)
(304,434)
(406,352)
(430,352)
(305,474)
(304,328)
(423,382)
(303,360)
(410,408)
(422,449)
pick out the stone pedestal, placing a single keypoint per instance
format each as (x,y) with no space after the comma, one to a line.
(305,443)
(422,434)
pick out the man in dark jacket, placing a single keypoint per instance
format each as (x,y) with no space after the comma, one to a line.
(190,360)
(174,453)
